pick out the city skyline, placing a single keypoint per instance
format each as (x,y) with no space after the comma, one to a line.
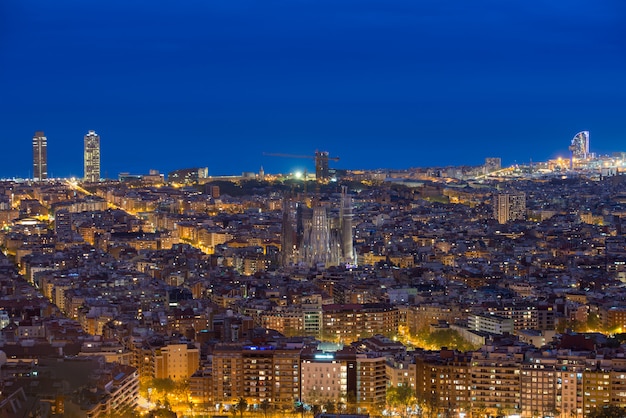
(379,85)
(579,150)
(502,300)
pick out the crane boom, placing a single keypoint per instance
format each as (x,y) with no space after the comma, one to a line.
(311,157)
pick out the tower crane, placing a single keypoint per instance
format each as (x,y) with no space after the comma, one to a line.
(322,172)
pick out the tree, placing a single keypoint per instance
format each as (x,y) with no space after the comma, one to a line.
(161,413)
(594,323)
(144,384)
(400,397)
(341,406)
(314,397)
(432,405)
(241,405)
(442,338)
(299,408)
(351,403)
(607,411)
(265,406)
(376,408)
(573,325)
(329,406)
(166,405)
(478,409)
(164,387)
(181,388)
(316,409)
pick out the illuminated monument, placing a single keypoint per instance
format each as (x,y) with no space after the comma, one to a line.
(317,235)
(92,157)
(40,156)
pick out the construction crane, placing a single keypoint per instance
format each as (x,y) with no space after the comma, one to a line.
(322,172)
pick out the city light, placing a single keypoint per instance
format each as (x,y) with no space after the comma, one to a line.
(444,284)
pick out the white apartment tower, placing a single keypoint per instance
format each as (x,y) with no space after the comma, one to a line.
(509,206)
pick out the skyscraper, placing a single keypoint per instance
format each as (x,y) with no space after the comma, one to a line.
(40,156)
(580,145)
(322,172)
(92,157)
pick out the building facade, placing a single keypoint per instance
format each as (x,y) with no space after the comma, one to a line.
(40,156)
(509,206)
(92,157)
(176,361)
(358,380)
(442,381)
(256,372)
(350,322)
(494,324)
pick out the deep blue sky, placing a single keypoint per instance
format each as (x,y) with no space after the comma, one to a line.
(389,83)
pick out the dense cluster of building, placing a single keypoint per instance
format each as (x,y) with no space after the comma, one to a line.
(278,297)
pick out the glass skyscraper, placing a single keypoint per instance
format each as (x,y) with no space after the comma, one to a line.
(40,156)
(92,157)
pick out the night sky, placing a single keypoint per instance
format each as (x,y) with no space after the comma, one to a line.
(380,84)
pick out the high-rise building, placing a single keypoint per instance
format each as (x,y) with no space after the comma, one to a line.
(509,206)
(258,373)
(492,164)
(580,145)
(322,172)
(40,156)
(63,223)
(176,361)
(357,379)
(92,157)
(443,381)
(495,379)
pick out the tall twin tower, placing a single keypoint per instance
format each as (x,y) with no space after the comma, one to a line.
(91,157)
(319,235)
